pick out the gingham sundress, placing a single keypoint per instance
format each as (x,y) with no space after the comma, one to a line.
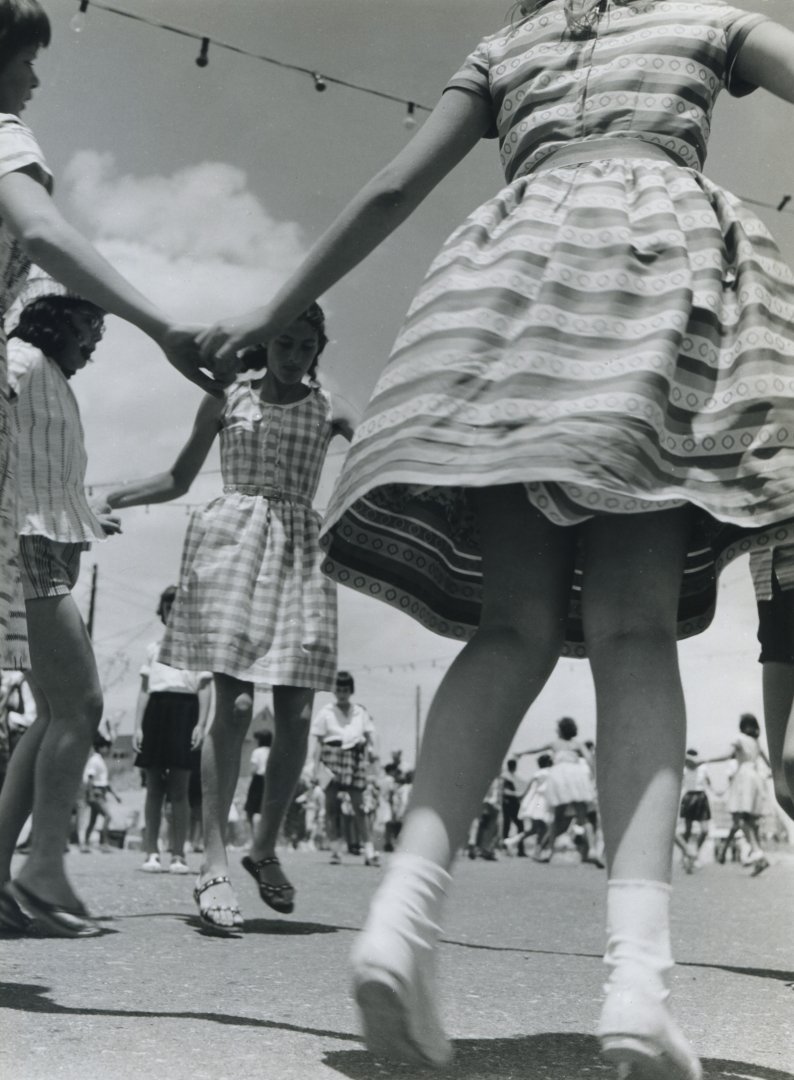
(612,330)
(252,600)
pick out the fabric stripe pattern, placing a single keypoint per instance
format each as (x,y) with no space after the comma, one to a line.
(614,334)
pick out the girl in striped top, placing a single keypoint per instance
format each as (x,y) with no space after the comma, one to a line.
(253,605)
(589,407)
(54,338)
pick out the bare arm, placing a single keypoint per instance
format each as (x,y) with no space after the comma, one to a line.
(168,485)
(202,724)
(58,248)
(458,122)
(140,708)
(767,59)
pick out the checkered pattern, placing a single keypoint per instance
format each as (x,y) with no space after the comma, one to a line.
(252,600)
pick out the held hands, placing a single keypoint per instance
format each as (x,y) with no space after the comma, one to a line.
(110,522)
(220,343)
(180,346)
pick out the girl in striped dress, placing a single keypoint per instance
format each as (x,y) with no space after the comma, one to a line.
(252,604)
(590,406)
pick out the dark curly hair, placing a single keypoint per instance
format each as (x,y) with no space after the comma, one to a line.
(23,23)
(566,728)
(255,356)
(44,322)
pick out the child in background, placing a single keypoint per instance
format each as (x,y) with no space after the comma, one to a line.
(170,722)
(97,788)
(534,811)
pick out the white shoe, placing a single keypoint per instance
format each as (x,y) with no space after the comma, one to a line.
(639,1036)
(152,865)
(178,866)
(392,959)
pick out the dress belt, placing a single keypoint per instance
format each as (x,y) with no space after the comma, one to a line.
(268,491)
(577,153)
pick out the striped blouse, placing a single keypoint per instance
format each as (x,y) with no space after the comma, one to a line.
(51,456)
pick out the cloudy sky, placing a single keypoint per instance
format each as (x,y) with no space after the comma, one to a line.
(206,185)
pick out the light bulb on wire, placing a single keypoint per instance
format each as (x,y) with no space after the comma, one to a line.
(77,21)
(319,82)
(203,57)
(409,120)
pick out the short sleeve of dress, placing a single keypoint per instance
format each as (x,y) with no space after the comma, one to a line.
(19,150)
(738,25)
(473,77)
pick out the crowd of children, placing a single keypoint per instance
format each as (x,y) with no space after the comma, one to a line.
(588,406)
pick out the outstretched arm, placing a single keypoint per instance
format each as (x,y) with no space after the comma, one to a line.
(767,59)
(162,487)
(459,120)
(58,248)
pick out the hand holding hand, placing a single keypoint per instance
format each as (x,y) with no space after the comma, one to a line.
(220,343)
(180,347)
(110,522)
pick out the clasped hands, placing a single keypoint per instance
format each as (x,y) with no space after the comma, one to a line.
(208,356)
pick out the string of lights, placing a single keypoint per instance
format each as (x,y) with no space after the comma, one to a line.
(321,81)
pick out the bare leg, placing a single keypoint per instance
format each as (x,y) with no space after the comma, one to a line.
(177,784)
(16,796)
(527,565)
(779,722)
(65,672)
(629,611)
(153,809)
(220,768)
(630,600)
(292,709)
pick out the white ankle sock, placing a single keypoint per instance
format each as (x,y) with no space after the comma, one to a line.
(638,936)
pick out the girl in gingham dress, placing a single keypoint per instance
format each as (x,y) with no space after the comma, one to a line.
(591,391)
(253,605)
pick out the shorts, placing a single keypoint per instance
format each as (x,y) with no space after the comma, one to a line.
(776,626)
(695,806)
(48,567)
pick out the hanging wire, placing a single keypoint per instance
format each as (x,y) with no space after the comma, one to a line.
(320,81)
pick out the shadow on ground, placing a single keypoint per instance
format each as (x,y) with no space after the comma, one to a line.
(548,1056)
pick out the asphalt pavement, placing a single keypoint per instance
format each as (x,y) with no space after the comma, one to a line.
(520,977)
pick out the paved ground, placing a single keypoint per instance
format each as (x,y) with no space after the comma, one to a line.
(521,976)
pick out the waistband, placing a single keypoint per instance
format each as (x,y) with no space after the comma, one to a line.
(268,491)
(577,153)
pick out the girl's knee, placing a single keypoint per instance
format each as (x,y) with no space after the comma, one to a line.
(242,710)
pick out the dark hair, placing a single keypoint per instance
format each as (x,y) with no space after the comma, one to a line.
(101,743)
(345,681)
(255,356)
(167,596)
(748,724)
(545,761)
(264,737)
(23,23)
(566,728)
(512,761)
(44,322)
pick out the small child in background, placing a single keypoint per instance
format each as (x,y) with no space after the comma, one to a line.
(534,811)
(97,788)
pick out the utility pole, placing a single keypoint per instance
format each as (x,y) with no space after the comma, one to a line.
(92,602)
